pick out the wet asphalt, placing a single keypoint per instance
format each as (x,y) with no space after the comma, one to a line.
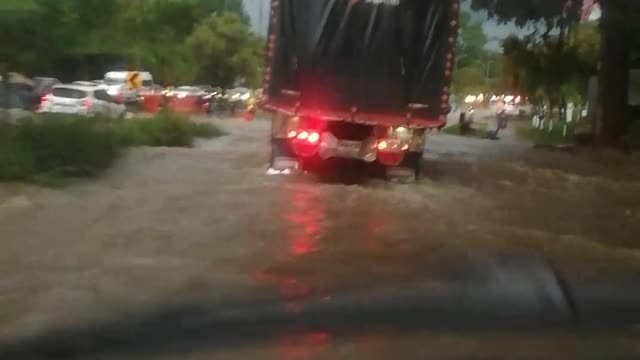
(197,253)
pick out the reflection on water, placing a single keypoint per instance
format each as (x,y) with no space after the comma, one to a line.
(303,218)
(308,345)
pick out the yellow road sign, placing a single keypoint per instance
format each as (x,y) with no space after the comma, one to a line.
(134,80)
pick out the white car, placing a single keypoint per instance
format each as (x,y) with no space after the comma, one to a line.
(85,83)
(184,91)
(81,100)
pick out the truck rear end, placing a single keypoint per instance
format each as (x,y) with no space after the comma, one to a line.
(358,79)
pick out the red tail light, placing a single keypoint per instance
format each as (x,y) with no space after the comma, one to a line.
(305,143)
(303,135)
(313,138)
(87,103)
(44,99)
(390,158)
(390,152)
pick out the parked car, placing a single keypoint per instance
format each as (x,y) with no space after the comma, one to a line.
(19,92)
(85,83)
(235,99)
(44,85)
(184,91)
(188,99)
(155,89)
(81,100)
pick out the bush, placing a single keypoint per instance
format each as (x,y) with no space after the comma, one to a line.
(164,129)
(546,137)
(66,146)
(17,159)
(53,146)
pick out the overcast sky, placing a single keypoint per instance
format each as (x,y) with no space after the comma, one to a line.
(256,8)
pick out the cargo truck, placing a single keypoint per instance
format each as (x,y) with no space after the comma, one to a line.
(364,80)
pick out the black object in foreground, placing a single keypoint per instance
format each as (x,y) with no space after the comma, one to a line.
(514,294)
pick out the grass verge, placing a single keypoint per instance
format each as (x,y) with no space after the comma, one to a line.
(545,137)
(53,148)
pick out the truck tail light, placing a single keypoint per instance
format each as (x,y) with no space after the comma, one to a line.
(313,138)
(390,158)
(310,137)
(303,136)
(391,152)
(305,143)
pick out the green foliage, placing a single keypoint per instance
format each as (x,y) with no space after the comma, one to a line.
(472,58)
(470,80)
(68,146)
(528,12)
(17,158)
(53,147)
(471,42)
(39,35)
(223,46)
(164,129)
(545,137)
(554,69)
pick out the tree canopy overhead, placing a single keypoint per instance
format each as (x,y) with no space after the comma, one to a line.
(618,24)
(46,37)
(524,12)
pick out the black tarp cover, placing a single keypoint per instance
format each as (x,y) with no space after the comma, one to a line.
(363,56)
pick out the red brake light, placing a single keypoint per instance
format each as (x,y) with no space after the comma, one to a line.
(44,99)
(303,135)
(313,138)
(87,103)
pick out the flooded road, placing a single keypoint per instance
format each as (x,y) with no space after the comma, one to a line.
(172,225)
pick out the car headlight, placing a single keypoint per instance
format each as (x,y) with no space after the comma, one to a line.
(245,97)
(112,92)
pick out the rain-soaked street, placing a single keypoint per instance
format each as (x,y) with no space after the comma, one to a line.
(168,227)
